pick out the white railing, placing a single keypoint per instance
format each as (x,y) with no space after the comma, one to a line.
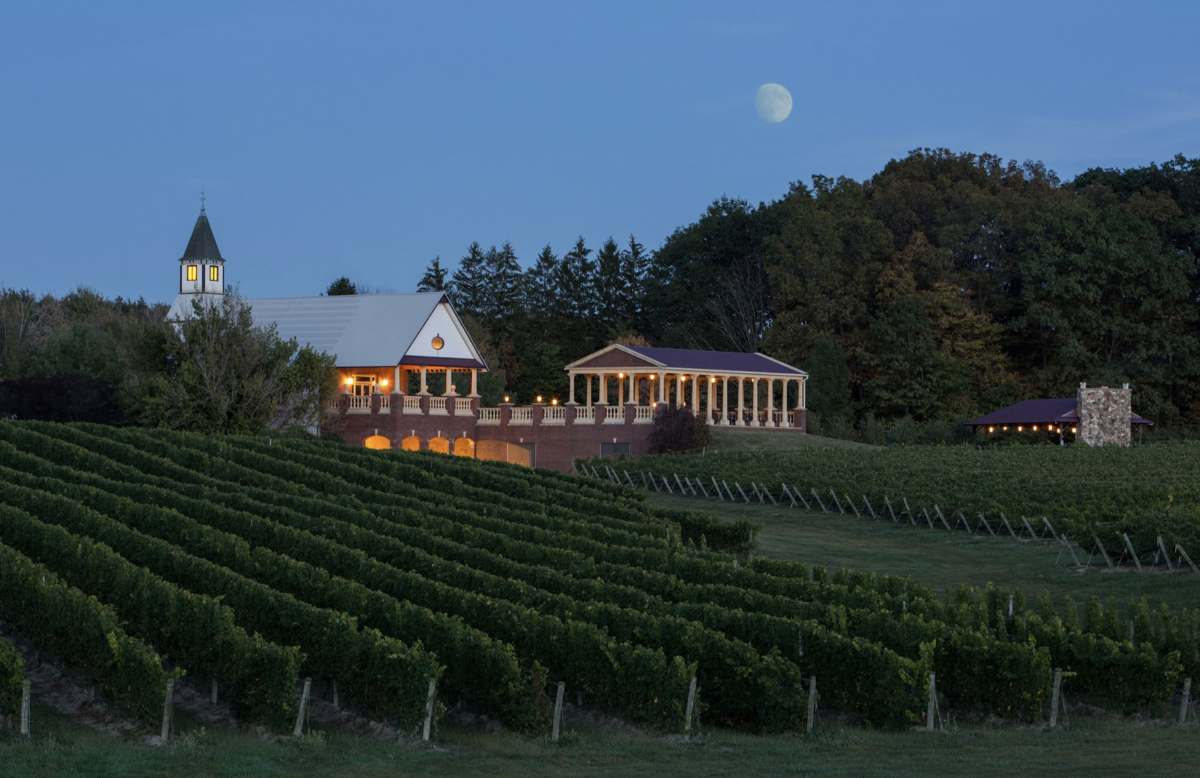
(791,417)
(615,415)
(412,404)
(554,414)
(489,415)
(521,416)
(462,405)
(438,405)
(360,403)
(385,403)
(585,414)
(643,414)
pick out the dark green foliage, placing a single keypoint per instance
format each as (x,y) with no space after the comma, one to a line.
(341,286)
(12,679)
(828,386)
(676,428)
(82,632)
(60,398)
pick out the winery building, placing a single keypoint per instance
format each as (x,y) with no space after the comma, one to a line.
(388,348)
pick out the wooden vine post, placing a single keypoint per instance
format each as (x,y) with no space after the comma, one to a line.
(691,707)
(25,703)
(214,691)
(931,712)
(299,728)
(1183,704)
(168,710)
(558,705)
(429,709)
(812,703)
(1054,697)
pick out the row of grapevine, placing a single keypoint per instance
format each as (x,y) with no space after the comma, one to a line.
(82,631)
(197,632)
(12,679)
(1144,491)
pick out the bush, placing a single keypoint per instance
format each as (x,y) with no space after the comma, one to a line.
(678,429)
(60,398)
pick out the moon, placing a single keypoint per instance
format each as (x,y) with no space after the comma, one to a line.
(773,103)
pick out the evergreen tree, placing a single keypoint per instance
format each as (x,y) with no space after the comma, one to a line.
(504,287)
(611,292)
(828,385)
(635,263)
(470,281)
(540,290)
(434,279)
(577,281)
(341,286)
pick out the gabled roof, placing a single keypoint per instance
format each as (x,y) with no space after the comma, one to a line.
(202,244)
(1057,411)
(372,330)
(689,360)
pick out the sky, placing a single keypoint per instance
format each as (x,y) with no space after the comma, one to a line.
(364,139)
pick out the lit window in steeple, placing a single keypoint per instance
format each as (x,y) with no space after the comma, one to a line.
(193,273)
(214,273)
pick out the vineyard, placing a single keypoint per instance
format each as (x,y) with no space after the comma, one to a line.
(139,556)
(1142,491)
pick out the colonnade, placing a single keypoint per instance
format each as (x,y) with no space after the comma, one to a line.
(664,387)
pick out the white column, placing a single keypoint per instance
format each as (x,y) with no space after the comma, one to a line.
(783,409)
(662,387)
(678,389)
(603,388)
(801,399)
(725,401)
(632,390)
(474,382)
(770,402)
(754,415)
(449,392)
(396,380)
(712,397)
(424,385)
(741,409)
(589,390)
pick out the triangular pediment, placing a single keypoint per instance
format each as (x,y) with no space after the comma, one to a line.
(614,356)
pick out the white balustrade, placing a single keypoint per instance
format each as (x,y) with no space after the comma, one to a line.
(412,404)
(585,414)
(360,403)
(437,405)
(615,415)
(521,416)
(554,414)
(489,416)
(385,403)
(462,405)
(643,414)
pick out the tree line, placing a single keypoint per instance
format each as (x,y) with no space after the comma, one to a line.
(944,286)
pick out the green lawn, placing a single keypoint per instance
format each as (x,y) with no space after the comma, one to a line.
(1086,747)
(943,559)
(750,439)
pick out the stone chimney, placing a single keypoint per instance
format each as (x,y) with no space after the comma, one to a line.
(1104,415)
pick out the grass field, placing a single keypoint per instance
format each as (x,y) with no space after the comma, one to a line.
(942,559)
(1092,747)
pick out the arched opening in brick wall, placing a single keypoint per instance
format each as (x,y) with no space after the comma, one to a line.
(440,445)
(464,447)
(411,443)
(377,442)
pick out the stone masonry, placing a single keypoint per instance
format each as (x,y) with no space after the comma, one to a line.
(1104,415)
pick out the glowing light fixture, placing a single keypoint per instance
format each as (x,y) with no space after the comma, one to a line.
(1034,428)
(991,429)
(554,401)
(1020,429)
(349,380)
(506,398)
(620,375)
(1004,428)
(539,399)
(1074,429)
(383,382)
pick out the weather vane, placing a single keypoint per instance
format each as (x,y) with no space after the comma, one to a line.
(201,201)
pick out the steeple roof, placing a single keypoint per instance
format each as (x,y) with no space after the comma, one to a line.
(202,244)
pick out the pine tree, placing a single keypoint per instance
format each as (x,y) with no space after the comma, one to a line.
(611,291)
(470,281)
(576,281)
(505,282)
(434,279)
(540,290)
(635,263)
(341,286)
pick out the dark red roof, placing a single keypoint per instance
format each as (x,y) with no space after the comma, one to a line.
(1059,411)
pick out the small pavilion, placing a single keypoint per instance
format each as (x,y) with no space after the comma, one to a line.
(1049,417)
(726,388)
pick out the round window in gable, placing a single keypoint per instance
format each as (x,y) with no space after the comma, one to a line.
(438,343)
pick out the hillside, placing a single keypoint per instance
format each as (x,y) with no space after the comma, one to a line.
(255,560)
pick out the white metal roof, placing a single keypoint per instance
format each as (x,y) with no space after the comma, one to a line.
(372,330)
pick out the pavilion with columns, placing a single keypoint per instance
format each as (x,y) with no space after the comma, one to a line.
(725,388)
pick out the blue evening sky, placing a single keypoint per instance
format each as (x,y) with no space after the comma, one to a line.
(366,138)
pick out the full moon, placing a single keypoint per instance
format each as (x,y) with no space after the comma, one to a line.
(773,103)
